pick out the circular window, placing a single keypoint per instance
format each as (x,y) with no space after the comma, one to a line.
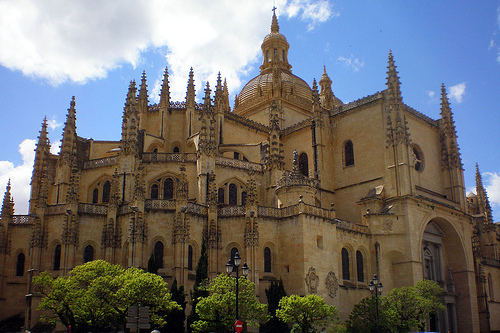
(418,158)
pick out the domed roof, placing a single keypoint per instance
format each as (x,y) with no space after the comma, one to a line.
(261,86)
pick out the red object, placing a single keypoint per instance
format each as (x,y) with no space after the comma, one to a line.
(238,326)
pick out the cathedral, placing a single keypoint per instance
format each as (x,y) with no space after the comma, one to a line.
(320,193)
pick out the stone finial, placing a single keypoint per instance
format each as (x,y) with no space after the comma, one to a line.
(275,28)
(165,91)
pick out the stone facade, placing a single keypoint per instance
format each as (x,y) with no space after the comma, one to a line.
(306,188)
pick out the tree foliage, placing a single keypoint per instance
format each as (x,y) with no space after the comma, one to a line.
(217,311)
(200,281)
(96,295)
(175,318)
(362,318)
(274,294)
(307,312)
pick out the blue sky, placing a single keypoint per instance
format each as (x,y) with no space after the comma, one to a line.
(53,50)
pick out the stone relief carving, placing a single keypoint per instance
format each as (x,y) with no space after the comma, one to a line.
(332,284)
(312,280)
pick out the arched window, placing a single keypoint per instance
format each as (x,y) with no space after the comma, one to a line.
(233,252)
(168,188)
(106,189)
(95,196)
(304,165)
(154,191)
(88,254)
(243,198)
(20,264)
(155,150)
(349,153)
(267,260)
(418,158)
(159,254)
(359,266)
(190,257)
(57,257)
(176,149)
(220,195)
(233,194)
(490,288)
(346,275)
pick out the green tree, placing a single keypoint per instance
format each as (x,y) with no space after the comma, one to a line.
(274,294)
(411,307)
(95,296)
(308,313)
(200,281)
(153,264)
(175,318)
(362,318)
(218,310)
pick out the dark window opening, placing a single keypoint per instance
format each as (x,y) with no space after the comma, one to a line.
(20,264)
(106,189)
(220,195)
(349,153)
(345,265)
(57,258)
(154,191)
(159,254)
(233,252)
(359,265)
(236,155)
(267,260)
(95,196)
(304,164)
(190,257)
(176,150)
(168,188)
(418,159)
(155,150)
(88,254)
(233,194)
(243,198)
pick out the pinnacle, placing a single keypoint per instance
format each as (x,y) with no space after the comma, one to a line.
(275,28)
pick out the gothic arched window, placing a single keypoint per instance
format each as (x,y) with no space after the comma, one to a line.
(20,264)
(220,195)
(304,164)
(190,257)
(243,198)
(168,188)
(106,189)
(159,254)
(88,254)
(267,260)
(233,252)
(154,191)
(57,257)
(95,196)
(346,275)
(233,194)
(349,153)
(359,266)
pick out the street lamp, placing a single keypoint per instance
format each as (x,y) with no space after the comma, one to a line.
(234,265)
(376,286)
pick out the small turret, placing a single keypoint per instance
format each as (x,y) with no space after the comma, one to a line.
(326,96)
(7,206)
(143,94)
(393,84)
(165,91)
(191,93)
(130,122)
(67,156)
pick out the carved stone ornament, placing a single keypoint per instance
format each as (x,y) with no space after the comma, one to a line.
(332,284)
(312,280)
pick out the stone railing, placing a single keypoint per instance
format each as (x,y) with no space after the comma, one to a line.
(231,211)
(92,209)
(159,204)
(291,179)
(239,164)
(346,225)
(268,212)
(101,162)
(22,219)
(56,210)
(168,157)
(197,209)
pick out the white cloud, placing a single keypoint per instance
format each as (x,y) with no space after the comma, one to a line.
(353,63)
(457,92)
(20,176)
(53,124)
(82,40)
(491,181)
(431,94)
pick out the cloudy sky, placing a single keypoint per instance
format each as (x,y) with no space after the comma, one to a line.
(52,50)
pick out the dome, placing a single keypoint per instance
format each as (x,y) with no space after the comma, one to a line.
(261,86)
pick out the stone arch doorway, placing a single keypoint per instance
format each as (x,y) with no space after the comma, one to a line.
(445,260)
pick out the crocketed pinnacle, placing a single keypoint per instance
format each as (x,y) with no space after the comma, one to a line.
(190,94)
(275,28)
(393,84)
(143,93)
(482,197)
(165,91)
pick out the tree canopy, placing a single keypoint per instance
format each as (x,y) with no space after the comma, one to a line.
(217,312)
(308,312)
(274,294)
(96,295)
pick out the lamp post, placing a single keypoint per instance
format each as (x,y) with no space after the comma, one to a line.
(376,286)
(234,265)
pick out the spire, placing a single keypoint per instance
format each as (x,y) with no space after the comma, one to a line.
(393,84)
(143,94)
(482,197)
(315,94)
(43,140)
(446,113)
(207,101)
(227,108)
(218,98)
(275,28)
(450,143)
(191,93)
(67,156)
(165,91)
(130,122)
(7,206)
